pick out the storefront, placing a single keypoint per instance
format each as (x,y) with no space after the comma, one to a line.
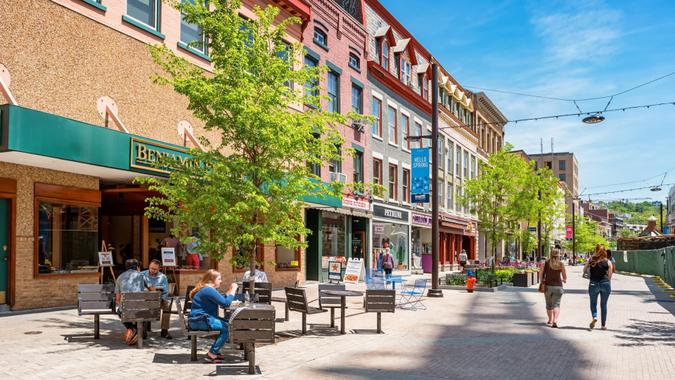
(420,238)
(456,234)
(391,227)
(339,230)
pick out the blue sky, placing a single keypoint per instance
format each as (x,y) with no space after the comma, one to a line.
(566,49)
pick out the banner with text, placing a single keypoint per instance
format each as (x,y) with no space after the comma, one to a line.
(419,187)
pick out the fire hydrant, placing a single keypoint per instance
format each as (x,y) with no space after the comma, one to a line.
(470,281)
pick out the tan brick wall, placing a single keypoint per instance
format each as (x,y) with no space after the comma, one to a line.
(31,292)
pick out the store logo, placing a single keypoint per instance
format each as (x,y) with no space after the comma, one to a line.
(146,155)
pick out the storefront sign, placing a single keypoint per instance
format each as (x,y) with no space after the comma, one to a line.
(146,154)
(568,232)
(168,257)
(390,213)
(334,269)
(105,259)
(419,191)
(378,228)
(357,204)
(353,271)
(421,219)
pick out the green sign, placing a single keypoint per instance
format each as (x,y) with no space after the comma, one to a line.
(145,155)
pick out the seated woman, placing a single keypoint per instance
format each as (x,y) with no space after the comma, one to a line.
(204,314)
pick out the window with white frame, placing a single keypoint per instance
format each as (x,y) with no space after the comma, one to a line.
(333,90)
(192,36)
(405,72)
(145,11)
(405,128)
(473,166)
(450,202)
(377,113)
(393,125)
(449,156)
(458,163)
(393,182)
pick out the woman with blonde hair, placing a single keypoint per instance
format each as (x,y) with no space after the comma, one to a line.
(601,270)
(553,277)
(204,314)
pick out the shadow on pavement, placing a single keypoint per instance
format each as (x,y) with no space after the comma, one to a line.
(647,333)
(661,296)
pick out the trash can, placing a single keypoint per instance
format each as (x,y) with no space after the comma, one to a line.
(426,263)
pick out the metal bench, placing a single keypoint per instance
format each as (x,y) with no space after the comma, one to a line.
(95,299)
(296,300)
(330,302)
(140,307)
(380,301)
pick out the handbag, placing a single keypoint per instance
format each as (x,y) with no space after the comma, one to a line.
(587,272)
(542,283)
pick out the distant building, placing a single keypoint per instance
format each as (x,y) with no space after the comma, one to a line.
(600,215)
(564,166)
(670,209)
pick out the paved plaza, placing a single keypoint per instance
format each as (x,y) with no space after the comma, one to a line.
(461,336)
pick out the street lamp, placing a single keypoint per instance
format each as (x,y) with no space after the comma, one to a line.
(593,119)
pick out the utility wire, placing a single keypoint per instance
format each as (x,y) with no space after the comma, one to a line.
(629,182)
(626,190)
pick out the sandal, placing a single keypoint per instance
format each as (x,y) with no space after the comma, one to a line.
(554,325)
(215,359)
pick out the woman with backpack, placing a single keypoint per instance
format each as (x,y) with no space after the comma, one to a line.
(553,277)
(387,262)
(599,270)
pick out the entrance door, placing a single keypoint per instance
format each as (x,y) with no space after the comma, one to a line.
(4,249)
(358,244)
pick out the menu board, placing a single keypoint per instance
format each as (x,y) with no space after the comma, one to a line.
(353,271)
(168,257)
(334,270)
(105,259)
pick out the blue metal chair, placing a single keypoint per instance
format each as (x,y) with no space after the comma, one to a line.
(411,296)
(375,282)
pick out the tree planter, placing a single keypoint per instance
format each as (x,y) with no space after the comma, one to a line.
(522,280)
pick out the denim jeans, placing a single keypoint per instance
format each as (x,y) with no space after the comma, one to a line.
(603,288)
(210,323)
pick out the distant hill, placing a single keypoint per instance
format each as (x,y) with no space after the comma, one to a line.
(639,211)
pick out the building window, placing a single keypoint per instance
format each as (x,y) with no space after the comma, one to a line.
(335,165)
(358,167)
(354,62)
(424,87)
(192,36)
(549,165)
(439,151)
(458,163)
(385,55)
(287,258)
(450,202)
(449,156)
(67,237)
(405,72)
(562,165)
(333,89)
(377,171)
(562,176)
(377,112)
(357,99)
(418,133)
(397,65)
(458,203)
(320,38)
(315,169)
(393,182)
(466,164)
(405,128)
(473,166)
(441,193)
(406,185)
(146,12)
(393,125)
(311,87)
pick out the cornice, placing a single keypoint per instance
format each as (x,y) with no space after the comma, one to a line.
(399,88)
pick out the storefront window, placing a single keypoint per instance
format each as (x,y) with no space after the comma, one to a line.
(396,237)
(287,258)
(333,237)
(67,238)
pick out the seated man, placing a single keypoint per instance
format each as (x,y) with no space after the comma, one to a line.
(130,281)
(259,276)
(156,280)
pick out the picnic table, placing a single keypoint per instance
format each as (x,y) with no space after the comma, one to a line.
(343,302)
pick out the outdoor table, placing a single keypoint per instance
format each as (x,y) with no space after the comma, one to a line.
(343,302)
(395,280)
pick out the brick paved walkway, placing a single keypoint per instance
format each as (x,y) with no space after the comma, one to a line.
(462,336)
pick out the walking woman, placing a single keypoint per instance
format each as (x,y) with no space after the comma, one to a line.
(204,314)
(601,270)
(554,275)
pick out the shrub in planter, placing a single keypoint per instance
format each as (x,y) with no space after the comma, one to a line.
(505,274)
(455,279)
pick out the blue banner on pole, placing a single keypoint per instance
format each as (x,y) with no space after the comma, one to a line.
(419,187)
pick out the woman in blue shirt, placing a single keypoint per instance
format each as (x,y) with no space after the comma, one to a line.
(204,314)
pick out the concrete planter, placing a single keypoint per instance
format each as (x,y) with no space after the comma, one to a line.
(522,280)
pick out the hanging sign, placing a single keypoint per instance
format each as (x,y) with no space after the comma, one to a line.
(353,271)
(568,232)
(334,270)
(168,257)
(419,188)
(105,259)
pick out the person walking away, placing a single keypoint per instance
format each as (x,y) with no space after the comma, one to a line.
(554,275)
(387,262)
(157,281)
(601,270)
(130,281)
(463,258)
(204,314)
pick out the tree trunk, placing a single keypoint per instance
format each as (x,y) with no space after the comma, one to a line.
(251,268)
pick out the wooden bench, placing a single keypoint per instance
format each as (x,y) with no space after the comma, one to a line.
(330,302)
(296,300)
(95,299)
(263,290)
(140,307)
(247,327)
(380,301)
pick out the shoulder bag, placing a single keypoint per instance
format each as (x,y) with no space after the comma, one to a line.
(542,283)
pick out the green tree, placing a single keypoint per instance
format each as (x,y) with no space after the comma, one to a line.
(246,187)
(586,235)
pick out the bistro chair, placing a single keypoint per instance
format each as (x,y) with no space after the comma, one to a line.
(411,296)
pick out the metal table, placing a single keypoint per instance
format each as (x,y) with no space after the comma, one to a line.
(343,294)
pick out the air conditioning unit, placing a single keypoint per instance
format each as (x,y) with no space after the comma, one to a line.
(339,177)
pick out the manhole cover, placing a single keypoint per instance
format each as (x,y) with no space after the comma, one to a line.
(33,332)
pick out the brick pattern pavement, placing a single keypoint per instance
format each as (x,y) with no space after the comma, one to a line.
(461,336)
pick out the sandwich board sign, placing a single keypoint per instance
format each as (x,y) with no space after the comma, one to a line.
(168,257)
(353,271)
